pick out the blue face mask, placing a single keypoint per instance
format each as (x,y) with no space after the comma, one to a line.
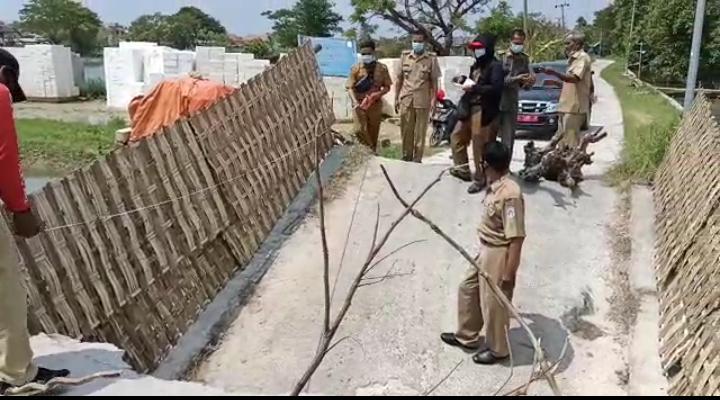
(418,47)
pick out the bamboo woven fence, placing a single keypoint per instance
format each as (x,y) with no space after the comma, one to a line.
(687,196)
(141,241)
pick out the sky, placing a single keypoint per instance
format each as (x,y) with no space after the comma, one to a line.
(243,17)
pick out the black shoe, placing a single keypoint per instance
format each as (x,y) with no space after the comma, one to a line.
(463,176)
(476,187)
(451,340)
(45,375)
(487,357)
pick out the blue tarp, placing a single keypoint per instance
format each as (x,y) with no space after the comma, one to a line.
(336,57)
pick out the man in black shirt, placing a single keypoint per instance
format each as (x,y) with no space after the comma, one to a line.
(479,110)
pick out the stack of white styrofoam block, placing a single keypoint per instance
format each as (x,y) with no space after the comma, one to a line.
(144,65)
(124,73)
(249,69)
(231,69)
(46,71)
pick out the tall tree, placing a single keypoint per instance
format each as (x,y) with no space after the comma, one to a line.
(438,19)
(187,28)
(667,34)
(62,22)
(307,17)
(500,22)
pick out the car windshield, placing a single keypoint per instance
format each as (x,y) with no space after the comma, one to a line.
(543,81)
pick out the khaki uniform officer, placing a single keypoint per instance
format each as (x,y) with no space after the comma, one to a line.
(501,233)
(516,65)
(575,98)
(368,82)
(416,84)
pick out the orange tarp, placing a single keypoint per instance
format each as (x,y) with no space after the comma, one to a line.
(170,101)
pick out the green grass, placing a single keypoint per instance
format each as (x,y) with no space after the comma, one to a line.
(58,147)
(650,122)
(393,152)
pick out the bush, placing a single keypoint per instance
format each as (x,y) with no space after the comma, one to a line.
(93,89)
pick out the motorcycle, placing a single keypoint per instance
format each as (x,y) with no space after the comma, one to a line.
(443,120)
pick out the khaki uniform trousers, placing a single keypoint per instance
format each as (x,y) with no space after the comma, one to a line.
(508,127)
(413,127)
(569,129)
(16,367)
(472,131)
(367,125)
(478,307)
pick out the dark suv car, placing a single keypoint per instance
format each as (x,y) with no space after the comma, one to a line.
(537,108)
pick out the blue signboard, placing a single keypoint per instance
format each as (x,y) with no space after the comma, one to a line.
(336,57)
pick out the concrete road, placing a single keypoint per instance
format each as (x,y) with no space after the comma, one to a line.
(393,327)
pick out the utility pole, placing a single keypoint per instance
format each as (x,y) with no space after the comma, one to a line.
(562,6)
(694,55)
(525,16)
(632,31)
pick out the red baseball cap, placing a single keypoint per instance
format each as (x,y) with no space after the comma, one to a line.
(474,45)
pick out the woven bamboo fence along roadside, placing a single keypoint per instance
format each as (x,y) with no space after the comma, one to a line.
(139,280)
(687,196)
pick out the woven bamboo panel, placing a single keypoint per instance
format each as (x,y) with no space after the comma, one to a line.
(687,196)
(153,232)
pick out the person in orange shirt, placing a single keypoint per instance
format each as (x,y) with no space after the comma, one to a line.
(16,366)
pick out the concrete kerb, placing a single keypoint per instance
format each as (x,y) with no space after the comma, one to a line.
(646,376)
(201,338)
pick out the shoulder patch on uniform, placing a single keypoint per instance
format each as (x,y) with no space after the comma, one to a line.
(510,212)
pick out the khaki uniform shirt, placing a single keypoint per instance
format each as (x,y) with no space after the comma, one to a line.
(418,73)
(513,65)
(504,216)
(381,78)
(575,97)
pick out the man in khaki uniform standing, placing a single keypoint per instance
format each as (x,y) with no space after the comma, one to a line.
(417,81)
(575,97)
(368,82)
(502,233)
(516,65)
(16,366)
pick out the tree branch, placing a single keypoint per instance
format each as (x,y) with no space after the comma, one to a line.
(327,339)
(323,235)
(431,390)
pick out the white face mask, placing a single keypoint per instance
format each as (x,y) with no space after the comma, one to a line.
(517,48)
(480,53)
(367,58)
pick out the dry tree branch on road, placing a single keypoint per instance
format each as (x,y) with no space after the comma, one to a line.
(545,370)
(329,334)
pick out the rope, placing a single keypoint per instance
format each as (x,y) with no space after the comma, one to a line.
(105,218)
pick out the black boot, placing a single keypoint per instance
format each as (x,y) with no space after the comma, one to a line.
(476,187)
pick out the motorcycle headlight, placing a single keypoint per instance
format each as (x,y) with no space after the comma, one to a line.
(551,108)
